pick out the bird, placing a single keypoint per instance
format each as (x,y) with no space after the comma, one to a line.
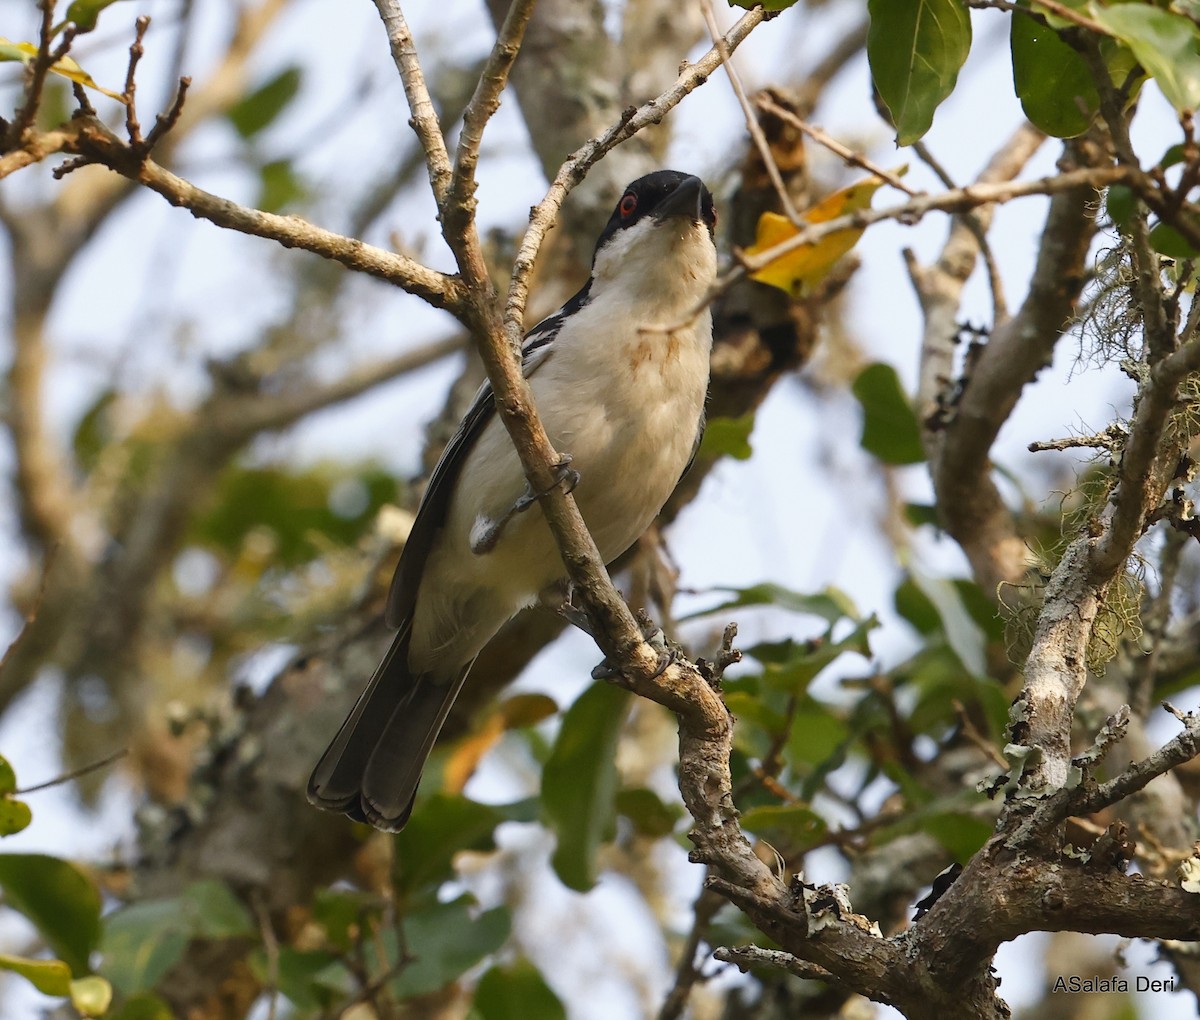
(619,376)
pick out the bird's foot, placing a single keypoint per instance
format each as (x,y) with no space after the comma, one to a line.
(486,531)
(573,614)
(564,475)
(653,635)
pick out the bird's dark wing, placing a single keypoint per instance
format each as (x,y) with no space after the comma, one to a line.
(431,514)
(695,445)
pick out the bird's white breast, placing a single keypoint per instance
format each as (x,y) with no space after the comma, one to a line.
(622,393)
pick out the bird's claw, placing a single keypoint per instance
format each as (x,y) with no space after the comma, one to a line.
(564,475)
(653,635)
(486,533)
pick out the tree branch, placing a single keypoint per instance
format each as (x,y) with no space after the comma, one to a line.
(95,141)
(969,503)
(424,116)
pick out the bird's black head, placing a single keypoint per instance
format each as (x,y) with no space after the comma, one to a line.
(662,195)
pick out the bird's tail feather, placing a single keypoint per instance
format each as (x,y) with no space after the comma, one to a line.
(372,767)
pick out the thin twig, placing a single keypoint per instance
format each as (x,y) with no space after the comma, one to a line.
(575,168)
(424,116)
(1109,439)
(36,73)
(440,290)
(1086,800)
(687,973)
(164,122)
(67,777)
(1070,14)
(978,231)
(764,102)
(136,51)
(909,213)
(486,99)
(271,949)
(752,124)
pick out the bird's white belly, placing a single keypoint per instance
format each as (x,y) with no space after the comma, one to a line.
(630,441)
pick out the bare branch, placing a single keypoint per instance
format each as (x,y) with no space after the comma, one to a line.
(1090,797)
(752,124)
(35,75)
(269,413)
(1147,463)
(67,777)
(970,505)
(442,291)
(424,116)
(764,101)
(486,100)
(136,51)
(745,958)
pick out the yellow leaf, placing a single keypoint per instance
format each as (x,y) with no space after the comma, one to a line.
(26,52)
(91,995)
(808,264)
(519,710)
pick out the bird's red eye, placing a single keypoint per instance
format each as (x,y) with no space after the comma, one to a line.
(628,204)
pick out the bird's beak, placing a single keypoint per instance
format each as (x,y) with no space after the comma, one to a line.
(686,200)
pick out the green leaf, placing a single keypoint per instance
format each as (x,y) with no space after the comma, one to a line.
(1166,44)
(440,827)
(344,914)
(816,734)
(922,513)
(210,910)
(790,666)
(255,111)
(91,995)
(579,782)
(311,980)
(50,977)
(517,992)
(1121,206)
(447,941)
(85,12)
(915,48)
(793,827)
(14,814)
(647,811)
(766,5)
(727,437)
(141,943)
(279,186)
(960,833)
(1166,240)
(293,507)
(145,940)
(890,428)
(60,900)
(830,605)
(8,777)
(758,724)
(142,1007)
(95,430)
(1053,81)
(963,634)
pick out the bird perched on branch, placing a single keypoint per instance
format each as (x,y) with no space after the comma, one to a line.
(619,376)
